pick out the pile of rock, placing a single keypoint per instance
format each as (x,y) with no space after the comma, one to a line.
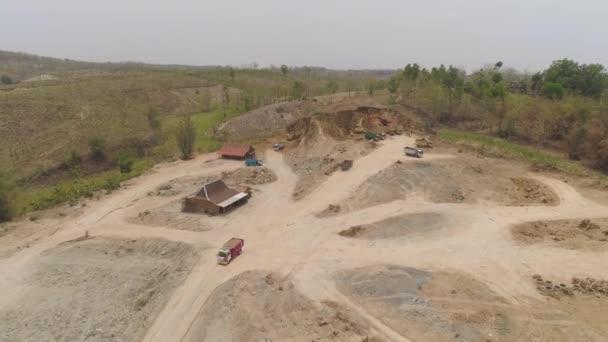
(586,286)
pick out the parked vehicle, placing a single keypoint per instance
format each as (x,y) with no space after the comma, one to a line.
(253,162)
(232,248)
(278,147)
(413,152)
(370,136)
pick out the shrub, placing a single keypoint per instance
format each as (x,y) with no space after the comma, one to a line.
(553,90)
(6,210)
(186,136)
(111,183)
(125,163)
(5,79)
(97,148)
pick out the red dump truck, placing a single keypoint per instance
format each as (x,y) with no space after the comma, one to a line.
(232,248)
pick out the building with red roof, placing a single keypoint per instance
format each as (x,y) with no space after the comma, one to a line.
(238,151)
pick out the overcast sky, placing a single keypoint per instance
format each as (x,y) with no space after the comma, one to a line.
(526,34)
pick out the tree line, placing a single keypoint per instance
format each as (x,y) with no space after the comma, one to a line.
(564,106)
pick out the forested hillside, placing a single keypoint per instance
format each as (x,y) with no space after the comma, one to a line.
(564,107)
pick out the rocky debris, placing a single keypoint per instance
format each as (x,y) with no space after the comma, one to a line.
(476,169)
(334,208)
(249,176)
(588,225)
(166,190)
(534,191)
(268,279)
(352,231)
(346,165)
(457,196)
(582,286)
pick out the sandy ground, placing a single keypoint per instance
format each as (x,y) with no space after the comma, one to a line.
(456,274)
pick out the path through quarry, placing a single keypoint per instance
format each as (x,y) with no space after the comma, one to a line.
(465,277)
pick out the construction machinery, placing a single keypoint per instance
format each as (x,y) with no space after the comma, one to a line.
(253,162)
(413,152)
(231,249)
(424,142)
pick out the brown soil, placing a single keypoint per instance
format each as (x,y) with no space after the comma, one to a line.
(171,216)
(394,227)
(466,179)
(249,176)
(97,290)
(570,234)
(450,306)
(317,156)
(267,121)
(261,306)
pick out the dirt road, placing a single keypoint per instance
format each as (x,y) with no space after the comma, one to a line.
(288,238)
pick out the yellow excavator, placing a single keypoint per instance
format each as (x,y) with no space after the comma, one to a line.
(424,142)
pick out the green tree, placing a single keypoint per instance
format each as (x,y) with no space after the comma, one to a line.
(97,146)
(602,155)
(370,89)
(231,72)
(411,71)
(392,85)
(553,90)
(152,116)
(284,69)
(332,87)
(124,161)
(298,90)
(6,210)
(5,79)
(186,137)
(536,82)
(497,78)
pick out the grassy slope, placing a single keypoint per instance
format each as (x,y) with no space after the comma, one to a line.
(503,148)
(42,123)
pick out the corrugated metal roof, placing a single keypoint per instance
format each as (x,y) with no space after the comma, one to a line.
(235,150)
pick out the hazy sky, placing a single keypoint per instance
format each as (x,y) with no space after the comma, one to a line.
(527,34)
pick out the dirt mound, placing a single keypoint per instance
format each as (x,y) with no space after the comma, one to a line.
(464,180)
(267,121)
(257,306)
(446,306)
(534,191)
(570,234)
(403,225)
(183,185)
(171,216)
(97,290)
(396,296)
(249,176)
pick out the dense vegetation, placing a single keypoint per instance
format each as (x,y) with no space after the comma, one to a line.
(564,107)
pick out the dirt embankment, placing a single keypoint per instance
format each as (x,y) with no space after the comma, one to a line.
(261,306)
(398,226)
(97,290)
(467,179)
(570,234)
(267,121)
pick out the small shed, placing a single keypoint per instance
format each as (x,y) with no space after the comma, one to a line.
(214,198)
(236,151)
